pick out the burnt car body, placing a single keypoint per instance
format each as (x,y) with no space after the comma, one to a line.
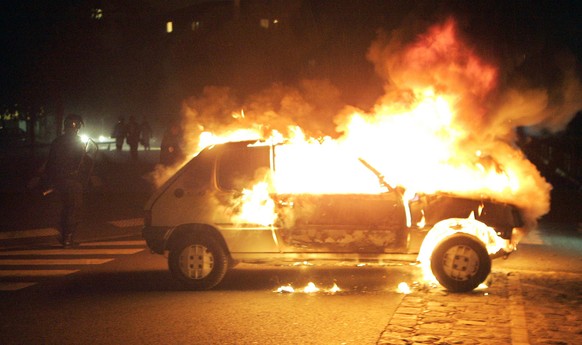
(193,218)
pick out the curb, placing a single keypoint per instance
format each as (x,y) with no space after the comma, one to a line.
(517,308)
(432,315)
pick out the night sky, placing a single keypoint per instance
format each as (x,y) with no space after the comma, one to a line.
(55,54)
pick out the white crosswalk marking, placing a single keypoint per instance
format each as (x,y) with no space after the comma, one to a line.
(10,286)
(35,273)
(44,262)
(45,232)
(73,251)
(20,269)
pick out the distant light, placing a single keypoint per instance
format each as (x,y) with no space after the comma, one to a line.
(195,25)
(103,138)
(97,13)
(84,138)
(275,21)
(169,27)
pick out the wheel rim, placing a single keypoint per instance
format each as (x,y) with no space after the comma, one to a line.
(461,262)
(196,261)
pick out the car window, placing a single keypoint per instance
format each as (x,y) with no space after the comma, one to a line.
(198,173)
(242,168)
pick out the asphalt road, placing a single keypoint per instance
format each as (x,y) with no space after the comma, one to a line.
(133,300)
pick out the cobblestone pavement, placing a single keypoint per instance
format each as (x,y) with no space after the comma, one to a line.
(517,308)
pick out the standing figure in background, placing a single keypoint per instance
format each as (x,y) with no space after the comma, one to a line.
(170,148)
(146,134)
(67,170)
(133,134)
(119,133)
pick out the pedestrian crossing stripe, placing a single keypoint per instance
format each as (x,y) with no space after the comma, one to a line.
(44,232)
(11,266)
(14,286)
(35,273)
(51,231)
(56,262)
(73,251)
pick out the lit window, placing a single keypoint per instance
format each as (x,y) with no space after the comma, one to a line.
(195,25)
(169,27)
(264,23)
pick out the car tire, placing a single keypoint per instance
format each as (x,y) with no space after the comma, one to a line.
(200,262)
(460,263)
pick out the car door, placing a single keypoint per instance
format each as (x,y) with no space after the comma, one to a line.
(243,222)
(354,223)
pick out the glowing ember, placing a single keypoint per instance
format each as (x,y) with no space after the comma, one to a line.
(303,263)
(310,288)
(482,286)
(286,289)
(334,288)
(404,288)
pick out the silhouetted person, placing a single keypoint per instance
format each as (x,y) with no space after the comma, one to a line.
(133,134)
(119,133)
(146,134)
(67,170)
(170,148)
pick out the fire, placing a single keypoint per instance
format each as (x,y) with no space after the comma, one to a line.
(256,206)
(309,288)
(403,288)
(445,123)
(486,234)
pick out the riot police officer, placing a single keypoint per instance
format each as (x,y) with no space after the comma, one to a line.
(67,169)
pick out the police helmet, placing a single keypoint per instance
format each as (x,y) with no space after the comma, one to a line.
(73,121)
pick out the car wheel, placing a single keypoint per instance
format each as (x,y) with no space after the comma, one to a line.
(460,263)
(200,262)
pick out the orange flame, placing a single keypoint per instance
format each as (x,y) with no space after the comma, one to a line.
(443,124)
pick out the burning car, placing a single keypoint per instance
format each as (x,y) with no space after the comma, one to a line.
(241,202)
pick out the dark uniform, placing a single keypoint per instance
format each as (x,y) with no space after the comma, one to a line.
(119,133)
(171,146)
(67,169)
(133,133)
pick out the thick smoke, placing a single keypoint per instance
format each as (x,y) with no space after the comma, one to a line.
(491,97)
(311,105)
(494,100)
